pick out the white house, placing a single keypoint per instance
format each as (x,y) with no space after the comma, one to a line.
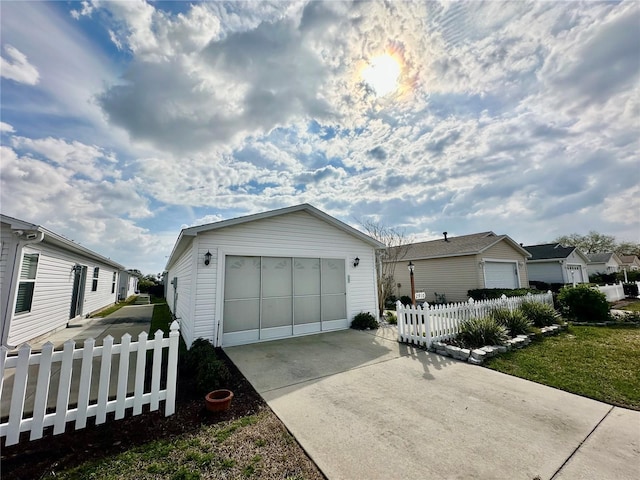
(553,263)
(629,262)
(283,273)
(127,285)
(603,263)
(47,280)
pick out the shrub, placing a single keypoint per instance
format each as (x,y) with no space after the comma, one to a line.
(390,302)
(391,318)
(406,300)
(202,367)
(544,286)
(603,278)
(364,320)
(540,314)
(489,293)
(583,304)
(514,321)
(478,332)
(630,289)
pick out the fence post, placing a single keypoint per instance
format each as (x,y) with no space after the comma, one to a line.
(172,369)
(400,317)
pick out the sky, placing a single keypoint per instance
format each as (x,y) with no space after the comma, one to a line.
(123,122)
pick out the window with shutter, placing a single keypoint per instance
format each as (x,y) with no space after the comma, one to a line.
(26,286)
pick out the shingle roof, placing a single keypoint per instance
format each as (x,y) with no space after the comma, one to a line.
(599,257)
(628,259)
(548,251)
(455,246)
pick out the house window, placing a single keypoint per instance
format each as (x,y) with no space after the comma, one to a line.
(94,284)
(113,283)
(27,282)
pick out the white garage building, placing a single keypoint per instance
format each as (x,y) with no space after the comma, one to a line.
(283,273)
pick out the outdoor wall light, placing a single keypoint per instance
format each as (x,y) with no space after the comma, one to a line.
(356,262)
(411,266)
(207,258)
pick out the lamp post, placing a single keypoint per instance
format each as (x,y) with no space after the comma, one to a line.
(411,266)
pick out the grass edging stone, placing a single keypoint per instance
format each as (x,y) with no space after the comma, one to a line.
(478,355)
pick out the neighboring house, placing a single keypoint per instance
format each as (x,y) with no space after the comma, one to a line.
(553,263)
(630,262)
(48,280)
(282,273)
(454,265)
(127,286)
(603,263)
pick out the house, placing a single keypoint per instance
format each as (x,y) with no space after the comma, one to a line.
(48,280)
(454,265)
(127,285)
(554,263)
(629,262)
(282,273)
(603,263)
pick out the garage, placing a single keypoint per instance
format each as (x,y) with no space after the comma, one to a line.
(501,274)
(574,274)
(278,274)
(276,297)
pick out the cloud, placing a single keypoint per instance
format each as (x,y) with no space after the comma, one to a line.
(5,127)
(17,67)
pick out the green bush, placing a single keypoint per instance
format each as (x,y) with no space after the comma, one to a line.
(364,320)
(514,321)
(391,318)
(540,314)
(490,293)
(630,289)
(390,302)
(202,367)
(583,304)
(478,332)
(544,286)
(406,300)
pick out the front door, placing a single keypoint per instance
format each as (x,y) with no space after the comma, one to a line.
(77,297)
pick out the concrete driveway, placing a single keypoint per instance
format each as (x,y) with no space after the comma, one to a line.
(364,406)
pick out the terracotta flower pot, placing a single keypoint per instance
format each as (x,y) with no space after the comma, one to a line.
(218,400)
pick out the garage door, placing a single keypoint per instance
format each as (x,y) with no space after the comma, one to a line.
(278,297)
(500,275)
(574,273)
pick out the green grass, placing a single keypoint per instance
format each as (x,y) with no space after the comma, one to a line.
(632,307)
(597,362)
(115,308)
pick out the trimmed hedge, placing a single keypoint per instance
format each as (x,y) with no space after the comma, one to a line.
(490,293)
(544,286)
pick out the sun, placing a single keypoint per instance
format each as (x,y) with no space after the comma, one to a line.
(382,75)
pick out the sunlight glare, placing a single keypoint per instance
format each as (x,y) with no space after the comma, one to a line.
(382,75)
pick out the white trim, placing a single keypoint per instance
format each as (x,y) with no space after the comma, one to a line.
(484,261)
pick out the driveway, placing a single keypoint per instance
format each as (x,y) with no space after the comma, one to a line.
(364,406)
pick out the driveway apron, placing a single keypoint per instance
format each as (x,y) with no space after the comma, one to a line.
(365,406)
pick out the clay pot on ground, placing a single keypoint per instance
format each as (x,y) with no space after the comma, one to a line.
(218,400)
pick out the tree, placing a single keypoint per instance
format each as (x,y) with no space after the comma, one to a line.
(397,245)
(628,248)
(593,242)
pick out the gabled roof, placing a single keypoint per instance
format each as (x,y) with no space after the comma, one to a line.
(603,257)
(552,251)
(457,246)
(629,259)
(56,239)
(183,238)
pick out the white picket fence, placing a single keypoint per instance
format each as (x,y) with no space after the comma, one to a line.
(614,292)
(424,325)
(36,421)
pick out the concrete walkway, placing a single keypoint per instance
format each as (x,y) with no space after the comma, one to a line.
(364,406)
(133,319)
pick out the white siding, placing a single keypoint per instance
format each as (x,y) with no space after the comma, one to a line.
(296,234)
(7,255)
(53,289)
(179,300)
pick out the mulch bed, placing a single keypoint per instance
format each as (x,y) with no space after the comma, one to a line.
(32,460)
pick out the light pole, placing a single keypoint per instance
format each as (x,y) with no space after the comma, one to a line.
(411,266)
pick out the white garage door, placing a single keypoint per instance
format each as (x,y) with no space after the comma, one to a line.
(277,297)
(574,273)
(500,275)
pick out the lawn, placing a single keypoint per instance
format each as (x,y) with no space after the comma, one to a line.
(116,307)
(632,307)
(597,362)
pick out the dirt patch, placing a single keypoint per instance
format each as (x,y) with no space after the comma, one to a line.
(45,457)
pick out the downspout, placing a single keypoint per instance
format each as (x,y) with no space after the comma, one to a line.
(24,238)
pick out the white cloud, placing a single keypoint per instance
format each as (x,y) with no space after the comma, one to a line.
(17,67)
(5,127)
